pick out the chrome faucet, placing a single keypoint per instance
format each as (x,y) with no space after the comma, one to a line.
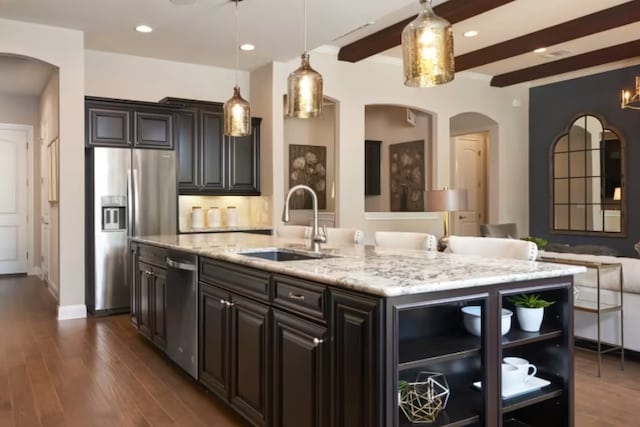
(317,237)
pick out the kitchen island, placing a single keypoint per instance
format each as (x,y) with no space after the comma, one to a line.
(326,341)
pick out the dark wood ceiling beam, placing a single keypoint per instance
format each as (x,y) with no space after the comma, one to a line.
(578,62)
(623,14)
(453,11)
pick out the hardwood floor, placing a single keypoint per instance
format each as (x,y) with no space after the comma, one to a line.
(100,372)
(90,372)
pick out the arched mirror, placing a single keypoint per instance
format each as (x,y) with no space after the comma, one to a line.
(588,179)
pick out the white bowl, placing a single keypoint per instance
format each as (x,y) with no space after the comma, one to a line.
(471,317)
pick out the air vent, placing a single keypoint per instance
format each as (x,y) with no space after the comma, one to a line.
(348,33)
(556,54)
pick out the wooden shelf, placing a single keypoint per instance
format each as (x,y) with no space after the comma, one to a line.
(415,352)
(463,409)
(512,422)
(527,399)
(516,337)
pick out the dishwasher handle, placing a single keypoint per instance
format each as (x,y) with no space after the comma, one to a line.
(181,265)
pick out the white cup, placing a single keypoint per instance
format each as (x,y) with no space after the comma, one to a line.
(527,370)
(511,376)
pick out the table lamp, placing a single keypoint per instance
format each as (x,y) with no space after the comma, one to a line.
(617,193)
(446,200)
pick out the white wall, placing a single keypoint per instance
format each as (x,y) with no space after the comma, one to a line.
(354,86)
(49,128)
(114,75)
(23,110)
(319,131)
(65,49)
(388,124)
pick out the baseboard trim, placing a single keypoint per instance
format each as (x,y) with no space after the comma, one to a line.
(66,312)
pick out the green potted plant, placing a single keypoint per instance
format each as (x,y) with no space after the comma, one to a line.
(539,241)
(530,311)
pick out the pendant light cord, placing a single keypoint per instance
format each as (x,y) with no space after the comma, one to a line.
(235,48)
(305,25)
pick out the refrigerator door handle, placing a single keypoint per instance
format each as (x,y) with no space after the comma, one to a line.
(136,200)
(129,204)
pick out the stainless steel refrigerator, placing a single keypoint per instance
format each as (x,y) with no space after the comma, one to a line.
(130,192)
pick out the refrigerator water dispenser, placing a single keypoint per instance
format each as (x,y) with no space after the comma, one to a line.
(114,214)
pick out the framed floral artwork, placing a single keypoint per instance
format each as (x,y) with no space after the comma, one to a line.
(406,175)
(308,166)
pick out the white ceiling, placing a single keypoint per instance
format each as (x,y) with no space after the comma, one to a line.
(203,32)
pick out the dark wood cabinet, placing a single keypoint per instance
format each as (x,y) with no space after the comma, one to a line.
(214,339)
(149,294)
(122,123)
(210,163)
(250,349)
(301,376)
(108,126)
(234,351)
(356,357)
(153,129)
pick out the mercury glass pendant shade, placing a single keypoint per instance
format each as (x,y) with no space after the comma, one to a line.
(237,115)
(304,91)
(427,49)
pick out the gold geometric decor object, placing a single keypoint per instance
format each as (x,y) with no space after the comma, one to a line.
(421,401)
(631,101)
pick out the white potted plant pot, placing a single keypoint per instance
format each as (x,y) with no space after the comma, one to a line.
(530,319)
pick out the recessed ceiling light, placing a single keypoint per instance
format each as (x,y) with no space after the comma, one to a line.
(540,50)
(247,46)
(470,33)
(144,29)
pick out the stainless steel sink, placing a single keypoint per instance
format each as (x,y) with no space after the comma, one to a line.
(284,255)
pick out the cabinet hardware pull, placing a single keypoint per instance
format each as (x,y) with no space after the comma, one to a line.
(223,302)
(317,341)
(230,304)
(296,296)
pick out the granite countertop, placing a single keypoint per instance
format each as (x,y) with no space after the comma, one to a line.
(379,271)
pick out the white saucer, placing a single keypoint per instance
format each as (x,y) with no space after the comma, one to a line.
(533,383)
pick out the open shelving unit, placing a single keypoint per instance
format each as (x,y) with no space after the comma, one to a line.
(430,337)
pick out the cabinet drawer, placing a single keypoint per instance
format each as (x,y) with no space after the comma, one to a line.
(299,296)
(242,280)
(153,255)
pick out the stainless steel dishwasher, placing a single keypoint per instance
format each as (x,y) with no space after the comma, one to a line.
(182,310)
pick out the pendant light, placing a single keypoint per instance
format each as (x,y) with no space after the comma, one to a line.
(427,49)
(304,86)
(237,112)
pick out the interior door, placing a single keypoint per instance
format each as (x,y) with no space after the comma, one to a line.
(13,199)
(470,174)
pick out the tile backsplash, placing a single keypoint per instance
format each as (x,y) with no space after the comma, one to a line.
(253,211)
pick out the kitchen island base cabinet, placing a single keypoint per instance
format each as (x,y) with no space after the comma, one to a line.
(300,372)
(148,300)
(234,357)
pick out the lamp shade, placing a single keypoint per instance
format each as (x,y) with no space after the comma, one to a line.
(304,91)
(237,115)
(446,200)
(427,49)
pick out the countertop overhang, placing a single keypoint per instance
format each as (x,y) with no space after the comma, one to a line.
(374,270)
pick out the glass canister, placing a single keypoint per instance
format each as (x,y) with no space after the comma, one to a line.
(213,217)
(197,217)
(232,216)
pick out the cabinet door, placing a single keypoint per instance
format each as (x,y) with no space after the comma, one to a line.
(244,161)
(300,374)
(145,278)
(356,357)
(159,307)
(214,340)
(213,152)
(250,359)
(153,130)
(187,152)
(108,127)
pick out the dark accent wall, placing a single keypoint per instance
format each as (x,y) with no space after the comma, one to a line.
(551,109)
